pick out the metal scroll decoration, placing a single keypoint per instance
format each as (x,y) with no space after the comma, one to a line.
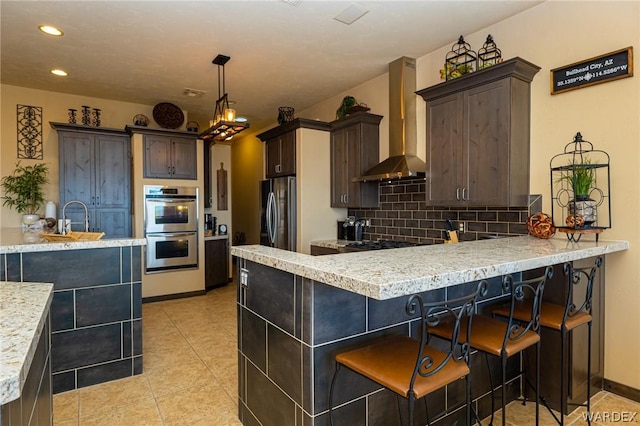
(30,132)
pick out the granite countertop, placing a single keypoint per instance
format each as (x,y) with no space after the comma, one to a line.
(14,240)
(385,274)
(24,310)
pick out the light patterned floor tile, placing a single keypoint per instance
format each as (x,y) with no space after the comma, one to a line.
(65,408)
(190,375)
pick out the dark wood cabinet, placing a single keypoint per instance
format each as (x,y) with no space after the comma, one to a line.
(170,157)
(478,137)
(355,145)
(95,168)
(281,155)
(216,262)
(280,146)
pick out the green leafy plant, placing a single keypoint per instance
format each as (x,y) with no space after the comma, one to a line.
(23,188)
(580,177)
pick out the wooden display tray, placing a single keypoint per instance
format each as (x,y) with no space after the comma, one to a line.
(571,232)
(73,236)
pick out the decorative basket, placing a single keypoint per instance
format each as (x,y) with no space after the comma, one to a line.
(73,236)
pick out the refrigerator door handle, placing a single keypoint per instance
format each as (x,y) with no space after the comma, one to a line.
(271,217)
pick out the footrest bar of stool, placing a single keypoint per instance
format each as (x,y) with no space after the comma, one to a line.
(544,402)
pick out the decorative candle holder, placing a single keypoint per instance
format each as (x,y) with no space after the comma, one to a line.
(460,60)
(489,54)
(96,117)
(86,115)
(73,116)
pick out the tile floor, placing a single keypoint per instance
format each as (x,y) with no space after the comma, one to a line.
(190,375)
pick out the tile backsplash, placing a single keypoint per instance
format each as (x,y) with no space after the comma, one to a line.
(404,215)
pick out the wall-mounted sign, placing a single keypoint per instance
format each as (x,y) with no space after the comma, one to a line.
(601,69)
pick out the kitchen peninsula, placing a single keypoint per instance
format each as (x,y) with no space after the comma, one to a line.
(297,311)
(96,311)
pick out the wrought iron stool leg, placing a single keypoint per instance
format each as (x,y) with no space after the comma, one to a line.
(493,408)
(589,374)
(333,381)
(504,385)
(537,383)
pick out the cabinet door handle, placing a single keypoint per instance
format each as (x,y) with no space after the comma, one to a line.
(346,198)
(458,194)
(169,169)
(98,201)
(173,170)
(278,168)
(465,194)
(93,200)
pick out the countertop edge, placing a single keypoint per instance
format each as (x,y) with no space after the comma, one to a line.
(398,272)
(11,385)
(13,240)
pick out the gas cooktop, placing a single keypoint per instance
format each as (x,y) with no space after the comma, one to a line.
(380,244)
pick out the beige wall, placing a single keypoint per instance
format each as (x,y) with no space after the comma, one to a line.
(551,35)
(55,107)
(316,219)
(247,159)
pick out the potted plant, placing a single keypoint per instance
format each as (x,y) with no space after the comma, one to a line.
(23,190)
(581,178)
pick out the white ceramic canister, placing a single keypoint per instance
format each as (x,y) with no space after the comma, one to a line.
(50,210)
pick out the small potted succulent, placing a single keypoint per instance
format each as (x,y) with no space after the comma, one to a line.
(22,190)
(581,179)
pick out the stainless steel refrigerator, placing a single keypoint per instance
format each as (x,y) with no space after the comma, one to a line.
(278,217)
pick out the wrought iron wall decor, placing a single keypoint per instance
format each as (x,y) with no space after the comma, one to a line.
(580,189)
(29,132)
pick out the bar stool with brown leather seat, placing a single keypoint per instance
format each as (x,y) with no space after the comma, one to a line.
(506,339)
(410,367)
(565,319)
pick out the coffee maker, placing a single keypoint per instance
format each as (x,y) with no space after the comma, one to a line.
(209,225)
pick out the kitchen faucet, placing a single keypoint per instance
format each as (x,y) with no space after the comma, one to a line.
(64,216)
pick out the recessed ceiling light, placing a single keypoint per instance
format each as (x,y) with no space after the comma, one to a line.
(59,72)
(48,29)
(351,14)
(241,119)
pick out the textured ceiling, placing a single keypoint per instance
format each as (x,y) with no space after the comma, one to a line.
(150,51)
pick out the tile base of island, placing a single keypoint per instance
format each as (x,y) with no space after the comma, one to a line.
(96,312)
(296,312)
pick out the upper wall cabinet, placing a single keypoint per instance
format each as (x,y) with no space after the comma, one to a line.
(478,137)
(95,165)
(355,146)
(280,146)
(168,154)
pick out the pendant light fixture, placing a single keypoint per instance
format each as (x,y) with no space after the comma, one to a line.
(223,126)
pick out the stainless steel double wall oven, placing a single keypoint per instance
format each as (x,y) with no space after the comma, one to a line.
(171,227)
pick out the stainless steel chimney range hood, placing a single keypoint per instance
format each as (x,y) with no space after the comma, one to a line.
(403,140)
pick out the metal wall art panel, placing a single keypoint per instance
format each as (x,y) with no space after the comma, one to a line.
(30,132)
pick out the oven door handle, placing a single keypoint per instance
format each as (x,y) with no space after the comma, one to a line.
(170,234)
(171,200)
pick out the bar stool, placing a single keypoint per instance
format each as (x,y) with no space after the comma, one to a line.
(565,319)
(506,339)
(410,367)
